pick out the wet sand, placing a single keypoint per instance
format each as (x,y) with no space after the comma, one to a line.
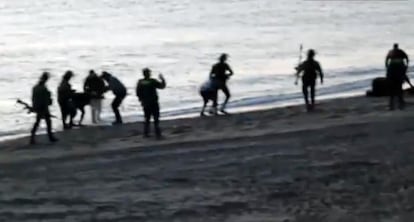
(350,160)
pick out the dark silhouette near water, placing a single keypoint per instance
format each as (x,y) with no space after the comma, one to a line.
(396,63)
(208,92)
(221,72)
(94,86)
(311,70)
(41,100)
(146,92)
(65,94)
(120,92)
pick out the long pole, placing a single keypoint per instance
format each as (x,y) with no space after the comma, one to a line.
(300,60)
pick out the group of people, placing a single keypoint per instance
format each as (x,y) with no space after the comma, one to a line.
(94,89)
(96,86)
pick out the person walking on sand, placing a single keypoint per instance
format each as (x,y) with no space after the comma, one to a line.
(221,72)
(65,94)
(95,88)
(41,100)
(311,70)
(146,92)
(120,92)
(396,63)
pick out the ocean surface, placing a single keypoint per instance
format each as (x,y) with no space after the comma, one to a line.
(183,38)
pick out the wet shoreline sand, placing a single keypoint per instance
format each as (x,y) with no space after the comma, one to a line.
(350,160)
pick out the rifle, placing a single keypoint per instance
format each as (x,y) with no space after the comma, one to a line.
(300,60)
(29,108)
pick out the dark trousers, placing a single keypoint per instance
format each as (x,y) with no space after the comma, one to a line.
(222,85)
(396,90)
(309,85)
(67,109)
(152,110)
(39,116)
(115,107)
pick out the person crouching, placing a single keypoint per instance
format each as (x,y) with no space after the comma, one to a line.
(208,92)
(146,92)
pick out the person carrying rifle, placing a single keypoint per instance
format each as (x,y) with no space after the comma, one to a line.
(41,100)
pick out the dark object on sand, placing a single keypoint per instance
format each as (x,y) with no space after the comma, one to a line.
(380,87)
(80,100)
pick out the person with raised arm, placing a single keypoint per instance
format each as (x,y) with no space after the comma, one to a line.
(146,92)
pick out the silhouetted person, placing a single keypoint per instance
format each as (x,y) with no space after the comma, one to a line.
(208,91)
(65,93)
(120,92)
(94,86)
(41,100)
(221,72)
(396,63)
(311,70)
(146,92)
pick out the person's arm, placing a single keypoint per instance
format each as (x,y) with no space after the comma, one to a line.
(320,72)
(86,85)
(230,70)
(138,90)
(407,60)
(212,72)
(162,83)
(387,58)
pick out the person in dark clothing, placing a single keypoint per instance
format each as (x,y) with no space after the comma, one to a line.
(146,92)
(65,93)
(221,72)
(396,63)
(208,91)
(95,88)
(311,70)
(120,92)
(41,100)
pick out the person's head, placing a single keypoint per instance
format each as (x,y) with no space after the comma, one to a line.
(311,53)
(92,72)
(146,72)
(68,75)
(44,77)
(395,46)
(223,57)
(106,75)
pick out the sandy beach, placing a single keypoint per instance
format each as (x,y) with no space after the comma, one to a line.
(350,160)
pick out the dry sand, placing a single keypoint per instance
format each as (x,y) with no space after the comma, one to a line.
(350,160)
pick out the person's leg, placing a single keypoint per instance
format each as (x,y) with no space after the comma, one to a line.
(392,94)
(400,93)
(156,115)
(147,116)
(98,109)
(72,112)
(226,92)
(94,110)
(305,94)
(215,103)
(204,96)
(34,129)
(312,92)
(49,128)
(63,111)
(115,107)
